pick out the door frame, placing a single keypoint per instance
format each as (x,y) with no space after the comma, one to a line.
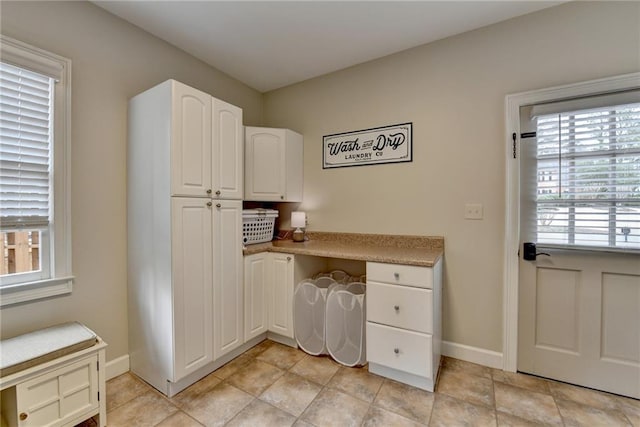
(513,103)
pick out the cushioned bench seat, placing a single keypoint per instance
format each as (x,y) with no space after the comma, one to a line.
(31,349)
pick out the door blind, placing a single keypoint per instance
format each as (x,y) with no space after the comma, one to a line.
(588,177)
(26,119)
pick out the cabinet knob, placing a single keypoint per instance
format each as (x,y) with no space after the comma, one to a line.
(218,205)
(396,307)
(281,197)
(396,275)
(209,204)
(23,416)
(218,193)
(396,350)
(209,191)
(288,258)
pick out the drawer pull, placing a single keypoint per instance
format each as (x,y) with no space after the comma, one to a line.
(396,307)
(396,350)
(396,276)
(23,416)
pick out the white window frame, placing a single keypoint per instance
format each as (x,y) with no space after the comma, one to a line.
(512,190)
(58,235)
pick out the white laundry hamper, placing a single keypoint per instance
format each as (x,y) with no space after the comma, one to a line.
(309,308)
(337,275)
(345,324)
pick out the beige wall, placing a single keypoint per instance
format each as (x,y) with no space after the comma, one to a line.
(453,91)
(112,61)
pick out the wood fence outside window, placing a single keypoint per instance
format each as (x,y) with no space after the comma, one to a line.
(20,252)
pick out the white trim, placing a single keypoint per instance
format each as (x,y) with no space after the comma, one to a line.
(480,356)
(512,191)
(117,366)
(23,292)
(32,58)
(60,257)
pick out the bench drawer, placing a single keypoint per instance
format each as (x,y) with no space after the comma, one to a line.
(60,395)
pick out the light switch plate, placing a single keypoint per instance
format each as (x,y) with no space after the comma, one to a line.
(473,211)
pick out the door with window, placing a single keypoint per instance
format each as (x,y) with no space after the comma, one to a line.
(579,298)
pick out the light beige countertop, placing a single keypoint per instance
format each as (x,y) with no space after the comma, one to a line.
(393,249)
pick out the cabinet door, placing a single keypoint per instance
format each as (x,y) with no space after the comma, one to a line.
(255,295)
(265,164)
(59,396)
(281,294)
(227,276)
(192,285)
(228,151)
(190,142)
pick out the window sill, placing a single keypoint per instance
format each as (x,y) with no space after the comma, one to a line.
(31,291)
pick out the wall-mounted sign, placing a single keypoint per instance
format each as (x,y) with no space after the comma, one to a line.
(387,144)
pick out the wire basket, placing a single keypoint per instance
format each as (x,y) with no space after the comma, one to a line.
(257,225)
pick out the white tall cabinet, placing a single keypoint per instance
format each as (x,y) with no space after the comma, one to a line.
(185,188)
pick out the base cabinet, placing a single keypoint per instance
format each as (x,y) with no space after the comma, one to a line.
(255,295)
(268,288)
(62,392)
(281,283)
(404,322)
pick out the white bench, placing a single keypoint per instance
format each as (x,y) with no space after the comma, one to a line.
(53,377)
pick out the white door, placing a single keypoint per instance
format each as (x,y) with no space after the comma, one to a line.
(228,151)
(281,294)
(192,290)
(190,142)
(255,295)
(579,305)
(265,164)
(227,276)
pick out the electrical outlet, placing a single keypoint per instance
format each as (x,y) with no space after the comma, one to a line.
(473,211)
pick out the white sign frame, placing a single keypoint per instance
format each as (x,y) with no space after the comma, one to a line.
(374,146)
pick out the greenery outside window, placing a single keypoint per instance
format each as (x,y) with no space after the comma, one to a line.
(588,177)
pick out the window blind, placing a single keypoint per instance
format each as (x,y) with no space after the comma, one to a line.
(588,177)
(26,120)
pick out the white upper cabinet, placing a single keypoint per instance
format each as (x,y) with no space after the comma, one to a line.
(190,141)
(206,145)
(273,165)
(228,151)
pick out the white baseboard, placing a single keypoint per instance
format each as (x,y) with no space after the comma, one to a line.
(483,357)
(117,366)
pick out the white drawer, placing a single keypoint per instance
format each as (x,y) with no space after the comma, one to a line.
(409,275)
(401,306)
(399,349)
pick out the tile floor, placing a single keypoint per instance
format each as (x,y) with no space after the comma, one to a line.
(275,385)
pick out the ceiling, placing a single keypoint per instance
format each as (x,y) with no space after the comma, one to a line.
(271,44)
